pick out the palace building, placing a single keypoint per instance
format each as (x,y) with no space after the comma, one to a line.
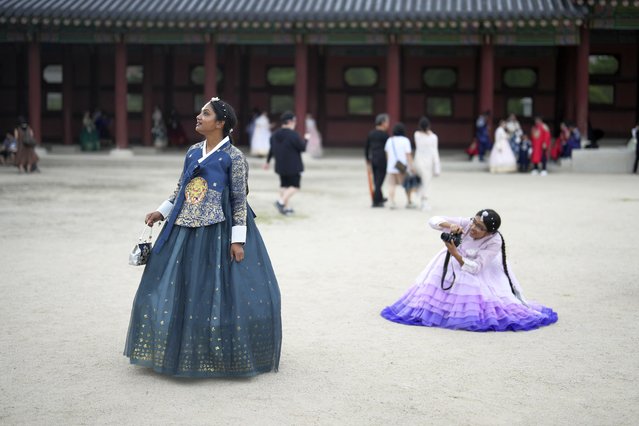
(344,61)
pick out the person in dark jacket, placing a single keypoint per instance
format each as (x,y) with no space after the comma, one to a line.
(287,147)
(376,156)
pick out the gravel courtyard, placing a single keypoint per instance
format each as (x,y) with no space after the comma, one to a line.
(67,292)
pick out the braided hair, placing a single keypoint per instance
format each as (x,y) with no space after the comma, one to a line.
(492,221)
(224,112)
(503,261)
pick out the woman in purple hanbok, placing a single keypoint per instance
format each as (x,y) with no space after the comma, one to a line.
(468,285)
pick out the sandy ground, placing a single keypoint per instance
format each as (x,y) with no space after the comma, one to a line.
(67,292)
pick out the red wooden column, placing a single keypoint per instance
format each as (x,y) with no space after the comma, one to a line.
(569,87)
(301,84)
(121,139)
(393,97)
(487,76)
(583,50)
(313,66)
(35,90)
(210,68)
(67,96)
(147,98)
(231,77)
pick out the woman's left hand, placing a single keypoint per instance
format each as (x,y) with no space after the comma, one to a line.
(237,252)
(452,249)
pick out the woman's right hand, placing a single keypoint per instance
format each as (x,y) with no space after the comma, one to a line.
(153,217)
(455,229)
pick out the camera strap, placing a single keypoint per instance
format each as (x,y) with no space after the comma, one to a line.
(446,261)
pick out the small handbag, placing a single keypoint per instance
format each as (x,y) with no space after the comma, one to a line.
(401,167)
(141,251)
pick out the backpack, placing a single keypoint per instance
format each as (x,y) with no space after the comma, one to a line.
(27,138)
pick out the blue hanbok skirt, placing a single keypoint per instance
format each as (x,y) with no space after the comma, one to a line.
(199,314)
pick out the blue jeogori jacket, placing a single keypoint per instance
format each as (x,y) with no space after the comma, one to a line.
(197,200)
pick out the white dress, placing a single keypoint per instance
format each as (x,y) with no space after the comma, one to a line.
(502,159)
(260,141)
(427,161)
(314,146)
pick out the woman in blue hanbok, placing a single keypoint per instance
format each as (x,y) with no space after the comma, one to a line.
(208,304)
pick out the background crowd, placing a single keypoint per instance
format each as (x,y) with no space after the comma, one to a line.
(509,150)
(513,150)
(392,158)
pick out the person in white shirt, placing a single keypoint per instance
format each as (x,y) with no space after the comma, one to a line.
(314,146)
(398,150)
(427,162)
(260,138)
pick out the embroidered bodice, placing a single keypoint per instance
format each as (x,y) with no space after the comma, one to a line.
(226,167)
(197,199)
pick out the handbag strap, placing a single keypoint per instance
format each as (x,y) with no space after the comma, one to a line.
(148,239)
(394,151)
(393,145)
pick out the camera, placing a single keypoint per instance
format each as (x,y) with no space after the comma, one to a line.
(453,238)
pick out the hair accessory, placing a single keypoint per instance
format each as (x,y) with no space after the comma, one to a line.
(484,214)
(222,107)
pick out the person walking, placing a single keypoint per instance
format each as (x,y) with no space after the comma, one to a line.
(208,304)
(26,158)
(287,147)
(427,163)
(376,156)
(399,162)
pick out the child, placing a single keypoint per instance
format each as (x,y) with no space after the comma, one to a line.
(523,159)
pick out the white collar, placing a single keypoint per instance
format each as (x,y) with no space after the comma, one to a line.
(217,147)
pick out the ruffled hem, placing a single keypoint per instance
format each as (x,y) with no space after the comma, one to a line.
(432,307)
(471,322)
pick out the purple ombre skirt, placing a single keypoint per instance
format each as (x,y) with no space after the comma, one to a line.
(476,302)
